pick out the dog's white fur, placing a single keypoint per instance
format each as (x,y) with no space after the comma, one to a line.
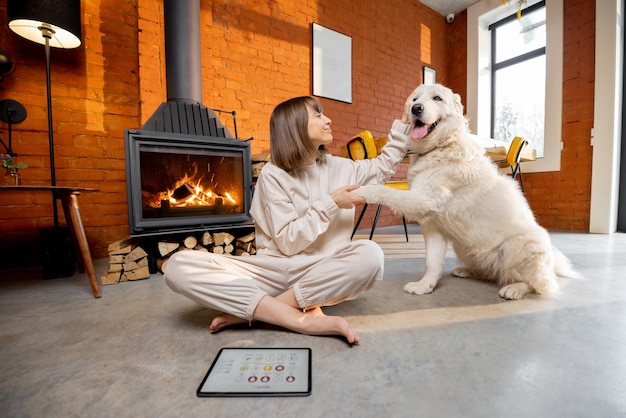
(458,196)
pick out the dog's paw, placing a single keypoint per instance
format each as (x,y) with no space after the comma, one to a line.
(461,272)
(371,193)
(464,273)
(515,291)
(419,288)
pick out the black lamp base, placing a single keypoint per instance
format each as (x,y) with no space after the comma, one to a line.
(56,252)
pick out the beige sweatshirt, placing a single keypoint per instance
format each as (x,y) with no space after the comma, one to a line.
(293,211)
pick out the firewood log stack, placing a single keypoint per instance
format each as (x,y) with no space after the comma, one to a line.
(126,262)
(218,243)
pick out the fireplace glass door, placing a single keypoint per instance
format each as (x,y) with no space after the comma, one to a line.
(186,182)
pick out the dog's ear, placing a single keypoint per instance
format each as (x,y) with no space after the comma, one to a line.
(456,98)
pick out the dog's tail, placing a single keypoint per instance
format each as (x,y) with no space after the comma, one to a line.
(563,266)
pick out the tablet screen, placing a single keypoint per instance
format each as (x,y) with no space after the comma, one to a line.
(258,372)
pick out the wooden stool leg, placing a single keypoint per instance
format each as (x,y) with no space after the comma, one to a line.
(65,203)
(79,231)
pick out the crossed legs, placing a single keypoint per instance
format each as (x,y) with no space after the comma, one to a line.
(283,310)
(279,291)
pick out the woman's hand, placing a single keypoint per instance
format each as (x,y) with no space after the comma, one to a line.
(345,199)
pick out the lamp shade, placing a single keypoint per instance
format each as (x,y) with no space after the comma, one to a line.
(60,17)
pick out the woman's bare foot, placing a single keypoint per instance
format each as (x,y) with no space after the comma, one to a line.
(224,320)
(315,322)
(284,311)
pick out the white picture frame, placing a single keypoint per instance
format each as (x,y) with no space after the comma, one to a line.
(429,75)
(332,64)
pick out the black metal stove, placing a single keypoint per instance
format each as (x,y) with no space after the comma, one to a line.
(186,182)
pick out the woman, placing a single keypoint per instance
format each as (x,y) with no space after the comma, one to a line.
(304,211)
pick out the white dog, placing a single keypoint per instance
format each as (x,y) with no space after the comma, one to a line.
(458,196)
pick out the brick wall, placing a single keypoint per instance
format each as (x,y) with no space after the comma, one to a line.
(94,97)
(254,56)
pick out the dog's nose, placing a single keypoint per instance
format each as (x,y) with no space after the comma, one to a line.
(417,109)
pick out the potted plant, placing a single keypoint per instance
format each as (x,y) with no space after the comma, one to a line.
(12,175)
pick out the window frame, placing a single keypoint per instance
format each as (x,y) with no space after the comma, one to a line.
(479,91)
(509,62)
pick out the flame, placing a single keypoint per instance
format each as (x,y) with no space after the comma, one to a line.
(198,195)
(229,197)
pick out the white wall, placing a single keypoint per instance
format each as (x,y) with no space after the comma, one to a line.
(607,116)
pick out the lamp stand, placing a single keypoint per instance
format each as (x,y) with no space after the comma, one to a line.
(46,32)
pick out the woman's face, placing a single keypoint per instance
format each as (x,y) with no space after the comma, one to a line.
(319,128)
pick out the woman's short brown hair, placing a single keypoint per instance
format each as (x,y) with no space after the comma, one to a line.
(290,144)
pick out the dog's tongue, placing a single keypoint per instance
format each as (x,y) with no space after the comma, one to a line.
(419,132)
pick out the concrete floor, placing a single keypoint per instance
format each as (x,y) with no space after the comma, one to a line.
(142,350)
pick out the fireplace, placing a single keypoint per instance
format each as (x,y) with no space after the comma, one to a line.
(186,182)
(184,170)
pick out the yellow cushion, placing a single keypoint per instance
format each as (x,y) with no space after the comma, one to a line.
(398,185)
(515,151)
(362,146)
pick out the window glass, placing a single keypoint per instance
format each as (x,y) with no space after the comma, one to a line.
(520,36)
(520,102)
(518,77)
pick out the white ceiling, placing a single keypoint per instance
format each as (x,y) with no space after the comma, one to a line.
(445,7)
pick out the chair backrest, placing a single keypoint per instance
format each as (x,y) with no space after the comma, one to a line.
(362,146)
(514,154)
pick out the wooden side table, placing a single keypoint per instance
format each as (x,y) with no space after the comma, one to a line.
(69,201)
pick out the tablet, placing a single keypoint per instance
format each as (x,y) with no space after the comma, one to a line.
(253,371)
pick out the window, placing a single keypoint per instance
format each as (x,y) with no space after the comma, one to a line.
(480,17)
(518,77)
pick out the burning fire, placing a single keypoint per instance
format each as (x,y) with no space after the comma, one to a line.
(189,192)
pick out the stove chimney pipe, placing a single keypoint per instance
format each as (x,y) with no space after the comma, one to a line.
(183,62)
(184,113)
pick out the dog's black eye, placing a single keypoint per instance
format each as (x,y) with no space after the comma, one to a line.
(437,98)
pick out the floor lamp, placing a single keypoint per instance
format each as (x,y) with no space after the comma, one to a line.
(53,23)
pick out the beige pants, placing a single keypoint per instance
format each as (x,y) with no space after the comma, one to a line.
(236,285)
